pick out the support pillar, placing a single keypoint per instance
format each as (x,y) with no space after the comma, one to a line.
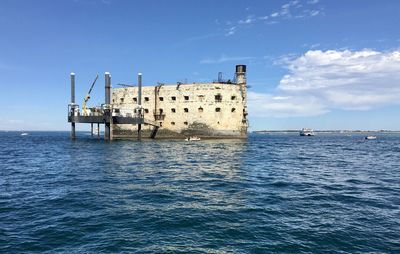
(98,128)
(72,104)
(140,104)
(73,136)
(111,128)
(91,130)
(107,110)
(107,132)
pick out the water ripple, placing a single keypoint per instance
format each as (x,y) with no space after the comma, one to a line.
(275,193)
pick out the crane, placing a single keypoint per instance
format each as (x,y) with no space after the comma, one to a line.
(125,85)
(87,97)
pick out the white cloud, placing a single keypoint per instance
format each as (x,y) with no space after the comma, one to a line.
(314,13)
(319,81)
(291,10)
(106,2)
(230,31)
(269,105)
(313,1)
(295,10)
(224,58)
(247,21)
(271,22)
(275,14)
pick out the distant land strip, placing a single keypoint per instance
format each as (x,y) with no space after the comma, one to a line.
(326,131)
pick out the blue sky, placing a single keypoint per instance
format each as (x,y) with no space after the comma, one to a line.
(320,64)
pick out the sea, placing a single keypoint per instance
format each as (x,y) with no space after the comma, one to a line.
(276,193)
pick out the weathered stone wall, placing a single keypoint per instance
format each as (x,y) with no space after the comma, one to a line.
(210,110)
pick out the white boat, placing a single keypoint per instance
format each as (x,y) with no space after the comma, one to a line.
(192,138)
(24,134)
(307,132)
(370,137)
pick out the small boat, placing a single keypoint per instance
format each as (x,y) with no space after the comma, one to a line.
(370,137)
(307,132)
(192,138)
(24,134)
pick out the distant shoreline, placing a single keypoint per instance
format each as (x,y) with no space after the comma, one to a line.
(326,131)
(256,132)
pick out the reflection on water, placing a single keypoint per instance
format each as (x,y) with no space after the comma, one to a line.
(275,193)
(184,174)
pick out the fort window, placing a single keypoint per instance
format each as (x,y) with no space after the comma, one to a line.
(160,124)
(218,98)
(172,123)
(146,98)
(233,110)
(122,100)
(186,110)
(200,109)
(185,123)
(201,97)
(135,99)
(161,98)
(186,98)
(146,110)
(173,98)
(173,110)
(113,100)
(233,97)
(217,109)
(158,114)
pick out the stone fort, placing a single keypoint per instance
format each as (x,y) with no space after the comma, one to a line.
(209,110)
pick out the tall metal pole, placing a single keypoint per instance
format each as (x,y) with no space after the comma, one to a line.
(72,104)
(108,87)
(139,89)
(107,112)
(111,137)
(140,104)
